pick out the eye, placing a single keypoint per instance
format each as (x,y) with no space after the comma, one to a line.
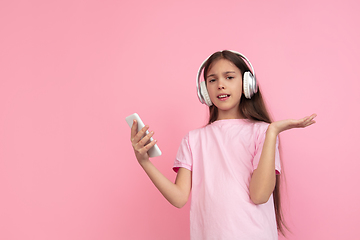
(230,77)
(211,80)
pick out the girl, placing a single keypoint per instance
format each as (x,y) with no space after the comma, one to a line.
(232,165)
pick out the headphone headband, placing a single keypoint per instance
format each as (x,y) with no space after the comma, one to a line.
(205,99)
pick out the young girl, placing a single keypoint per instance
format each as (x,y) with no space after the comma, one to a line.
(232,165)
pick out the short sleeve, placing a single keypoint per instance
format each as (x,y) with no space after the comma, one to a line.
(184,155)
(258,150)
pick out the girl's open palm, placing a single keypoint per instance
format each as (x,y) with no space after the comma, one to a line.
(287,124)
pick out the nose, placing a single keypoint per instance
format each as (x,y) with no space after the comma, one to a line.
(221,84)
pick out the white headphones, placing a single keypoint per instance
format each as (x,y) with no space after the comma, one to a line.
(249,82)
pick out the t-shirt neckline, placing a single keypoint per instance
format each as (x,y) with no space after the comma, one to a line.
(230,121)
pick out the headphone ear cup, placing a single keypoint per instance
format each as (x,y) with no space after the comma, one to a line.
(205,94)
(249,83)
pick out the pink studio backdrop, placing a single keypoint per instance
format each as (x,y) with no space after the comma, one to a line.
(71,71)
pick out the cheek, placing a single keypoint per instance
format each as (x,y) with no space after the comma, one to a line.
(210,89)
(239,87)
(211,92)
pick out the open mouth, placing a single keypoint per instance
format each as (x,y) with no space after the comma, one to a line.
(223,96)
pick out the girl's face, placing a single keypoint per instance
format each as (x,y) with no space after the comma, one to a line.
(224,84)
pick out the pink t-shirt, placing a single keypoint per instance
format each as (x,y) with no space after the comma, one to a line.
(222,157)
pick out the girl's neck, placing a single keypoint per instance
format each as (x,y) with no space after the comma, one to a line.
(222,115)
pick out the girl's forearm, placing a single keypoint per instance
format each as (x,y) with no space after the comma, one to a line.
(263,179)
(176,193)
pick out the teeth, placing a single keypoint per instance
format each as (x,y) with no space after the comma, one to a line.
(222,96)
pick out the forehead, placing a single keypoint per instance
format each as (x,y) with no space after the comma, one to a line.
(222,65)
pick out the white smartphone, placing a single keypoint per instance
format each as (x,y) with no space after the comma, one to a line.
(155,150)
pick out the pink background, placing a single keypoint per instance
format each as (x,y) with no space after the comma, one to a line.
(71,71)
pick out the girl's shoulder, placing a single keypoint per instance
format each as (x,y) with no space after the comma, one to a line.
(261,124)
(260,127)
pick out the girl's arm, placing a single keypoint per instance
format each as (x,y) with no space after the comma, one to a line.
(263,178)
(176,193)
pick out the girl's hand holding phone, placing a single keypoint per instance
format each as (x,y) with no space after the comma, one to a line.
(141,142)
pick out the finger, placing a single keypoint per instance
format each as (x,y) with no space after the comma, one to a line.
(140,134)
(310,119)
(313,116)
(306,121)
(143,141)
(147,147)
(311,122)
(298,122)
(134,129)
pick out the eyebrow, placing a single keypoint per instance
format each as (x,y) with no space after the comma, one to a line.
(211,75)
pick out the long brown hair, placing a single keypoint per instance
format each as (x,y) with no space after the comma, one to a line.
(253,109)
